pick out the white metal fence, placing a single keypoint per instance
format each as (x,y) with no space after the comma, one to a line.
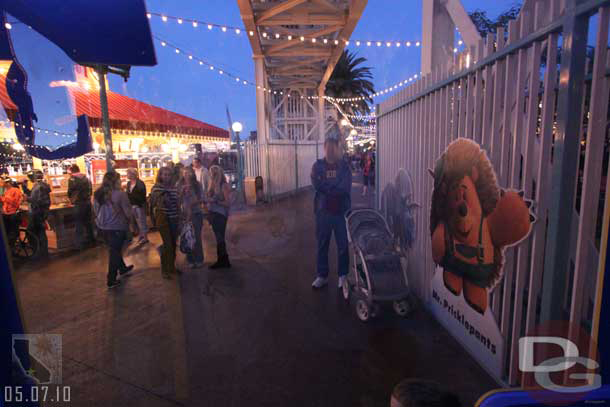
(537,101)
(284,165)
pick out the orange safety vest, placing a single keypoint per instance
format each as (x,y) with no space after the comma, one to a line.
(11,200)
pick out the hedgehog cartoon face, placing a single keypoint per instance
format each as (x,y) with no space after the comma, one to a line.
(472,220)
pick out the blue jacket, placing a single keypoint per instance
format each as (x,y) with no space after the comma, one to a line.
(333,186)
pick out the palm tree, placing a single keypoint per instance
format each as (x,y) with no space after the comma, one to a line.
(351,80)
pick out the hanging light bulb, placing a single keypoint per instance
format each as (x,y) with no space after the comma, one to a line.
(277,35)
(164,18)
(195,24)
(209,26)
(302,38)
(237,31)
(379,43)
(147,15)
(368,43)
(417,44)
(313,40)
(289,37)
(251,33)
(179,21)
(224,29)
(325,40)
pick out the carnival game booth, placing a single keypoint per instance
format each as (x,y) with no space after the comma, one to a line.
(144,136)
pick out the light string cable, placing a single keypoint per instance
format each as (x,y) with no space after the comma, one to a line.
(274,35)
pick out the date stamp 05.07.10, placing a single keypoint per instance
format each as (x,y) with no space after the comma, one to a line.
(36,371)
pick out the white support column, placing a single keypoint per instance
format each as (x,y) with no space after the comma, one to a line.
(261,114)
(321,117)
(437,35)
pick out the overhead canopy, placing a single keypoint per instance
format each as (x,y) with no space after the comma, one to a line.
(300,61)
(131,114)
(109,32)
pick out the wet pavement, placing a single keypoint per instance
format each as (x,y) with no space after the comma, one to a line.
(254,335)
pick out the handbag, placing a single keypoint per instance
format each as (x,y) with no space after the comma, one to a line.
(187,238)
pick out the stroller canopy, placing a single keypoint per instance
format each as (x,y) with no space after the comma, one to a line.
(369,231)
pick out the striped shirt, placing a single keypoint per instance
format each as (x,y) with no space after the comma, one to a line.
(165,199)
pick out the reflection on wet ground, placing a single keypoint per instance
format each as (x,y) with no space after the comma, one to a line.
(255,335)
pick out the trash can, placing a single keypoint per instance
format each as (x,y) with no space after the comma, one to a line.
(253,188)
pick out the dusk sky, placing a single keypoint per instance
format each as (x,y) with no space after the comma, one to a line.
(183,86)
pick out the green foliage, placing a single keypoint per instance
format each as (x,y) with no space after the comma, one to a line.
(485,25)
(350,79)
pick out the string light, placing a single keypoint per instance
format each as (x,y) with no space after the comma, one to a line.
(40,130)
(201,61)
(377,94)
(279,35)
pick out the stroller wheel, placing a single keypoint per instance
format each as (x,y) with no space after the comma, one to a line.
(345,288)
(362,310)
(402,307)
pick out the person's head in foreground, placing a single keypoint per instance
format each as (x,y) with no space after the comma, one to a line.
(74,169)
(422,393)
(197,163)
(331,150)
(164,176)
(132,174)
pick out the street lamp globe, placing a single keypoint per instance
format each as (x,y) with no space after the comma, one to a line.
(237,127)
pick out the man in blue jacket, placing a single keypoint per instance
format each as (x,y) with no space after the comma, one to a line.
(331,177)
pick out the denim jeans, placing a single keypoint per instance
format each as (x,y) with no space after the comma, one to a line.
(196,256)
(326,224)
(37,226)
(219,226)
(139,213)
(168,228)
(83,223)
(114,240)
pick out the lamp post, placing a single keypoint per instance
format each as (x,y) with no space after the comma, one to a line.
(237,128)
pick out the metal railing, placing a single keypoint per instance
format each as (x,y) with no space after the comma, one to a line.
(535,141)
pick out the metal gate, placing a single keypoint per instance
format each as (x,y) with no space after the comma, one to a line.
(285,165)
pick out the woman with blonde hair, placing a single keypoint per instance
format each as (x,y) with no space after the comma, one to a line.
(165,212)
(218,201)
(190,193)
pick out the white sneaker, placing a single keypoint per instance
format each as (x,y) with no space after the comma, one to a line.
(319,282)
(342,280)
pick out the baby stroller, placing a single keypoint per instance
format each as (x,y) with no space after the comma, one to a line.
(376,274)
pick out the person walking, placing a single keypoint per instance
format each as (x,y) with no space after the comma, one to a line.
(201,173)
(136,192)
(166,214)
(218,199)
(79,193)
(191,199)
(113,215)
(40,202)
(366,174)
(11,201)
(332,181)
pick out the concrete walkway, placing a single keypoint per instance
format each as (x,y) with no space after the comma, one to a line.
(255,335)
